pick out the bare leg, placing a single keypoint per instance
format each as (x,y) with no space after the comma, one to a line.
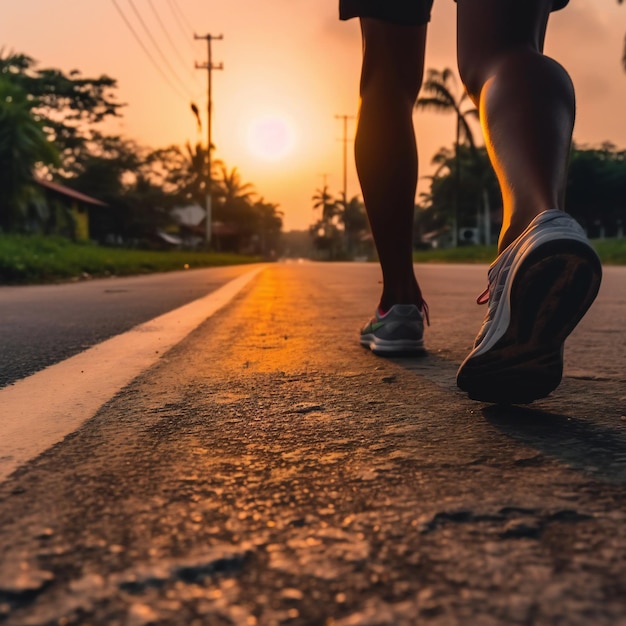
(385,149)
(541,289)
(526,103)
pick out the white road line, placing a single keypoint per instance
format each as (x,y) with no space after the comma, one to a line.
(39,411)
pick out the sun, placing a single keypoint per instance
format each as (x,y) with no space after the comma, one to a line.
(270,137)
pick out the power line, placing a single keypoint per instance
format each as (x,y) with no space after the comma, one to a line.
(182,14)
(171,41)
(148,53)
(156,45)
(186,33)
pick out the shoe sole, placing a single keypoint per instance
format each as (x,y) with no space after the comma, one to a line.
(392,347)
(551,291)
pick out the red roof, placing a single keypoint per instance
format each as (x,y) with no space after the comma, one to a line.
(66,191)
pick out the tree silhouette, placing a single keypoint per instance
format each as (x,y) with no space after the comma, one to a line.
(596,189)
(445,96)
(354,219)
(231,187)
(325,232)
(69,106)
(23,146)
(322,199)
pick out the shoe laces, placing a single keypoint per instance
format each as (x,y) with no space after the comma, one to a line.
(491,296)
(483,298)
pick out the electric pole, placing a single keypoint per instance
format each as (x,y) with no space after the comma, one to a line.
(209,67)
(346,218)
(345,140)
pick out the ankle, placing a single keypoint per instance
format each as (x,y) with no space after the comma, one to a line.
(388,300)
(516,226)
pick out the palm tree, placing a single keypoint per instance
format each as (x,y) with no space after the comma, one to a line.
(23,146)
(195,170)
(444,96)
(325,232)
(323,200)
(354,221)
(270,224)
(231,188)
(477,184)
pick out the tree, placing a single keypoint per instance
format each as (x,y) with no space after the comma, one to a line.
(231,187)
(270,224)
(69,107)
(234,206)
(323,200)
(477,188)
(444,96)
(180,172)
(254,224)
(354,219)
(595,195)
(596,189)
(116,171)
(23,147)
(325,231)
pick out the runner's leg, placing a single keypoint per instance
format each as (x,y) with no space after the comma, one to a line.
(385,149)
(526,103)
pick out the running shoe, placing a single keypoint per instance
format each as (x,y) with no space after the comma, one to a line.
(539,289)
(399,331)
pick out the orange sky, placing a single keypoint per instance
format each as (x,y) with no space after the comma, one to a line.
(289,67)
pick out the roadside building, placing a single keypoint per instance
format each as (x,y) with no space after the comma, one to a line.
(68,210)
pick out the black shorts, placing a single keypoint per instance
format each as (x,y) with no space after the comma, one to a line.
(405,12)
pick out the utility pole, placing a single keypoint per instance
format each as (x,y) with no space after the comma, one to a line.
(209,67)
(345,140)
(346,222)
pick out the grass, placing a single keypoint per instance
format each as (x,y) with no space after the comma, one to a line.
(37,259)
(611,252)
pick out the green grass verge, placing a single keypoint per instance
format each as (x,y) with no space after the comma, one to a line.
(611,252)
(37,259)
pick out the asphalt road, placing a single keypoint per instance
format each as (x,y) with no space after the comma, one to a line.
(42,325)
(268,470)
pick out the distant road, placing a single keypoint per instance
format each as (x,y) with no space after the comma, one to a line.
(42,325)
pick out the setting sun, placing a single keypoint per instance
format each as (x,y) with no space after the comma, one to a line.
(270,138)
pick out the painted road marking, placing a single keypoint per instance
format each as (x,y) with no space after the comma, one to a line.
(40,410)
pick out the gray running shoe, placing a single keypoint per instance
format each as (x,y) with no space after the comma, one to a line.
(539,289)
(399,331)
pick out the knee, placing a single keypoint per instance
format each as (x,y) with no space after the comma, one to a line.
(473,76)
(476,69)
(523,66)
(388,82)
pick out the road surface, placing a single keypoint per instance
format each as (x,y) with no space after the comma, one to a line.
(44,324)
(268,470)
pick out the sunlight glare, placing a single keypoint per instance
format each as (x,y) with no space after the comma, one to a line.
(270,138)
